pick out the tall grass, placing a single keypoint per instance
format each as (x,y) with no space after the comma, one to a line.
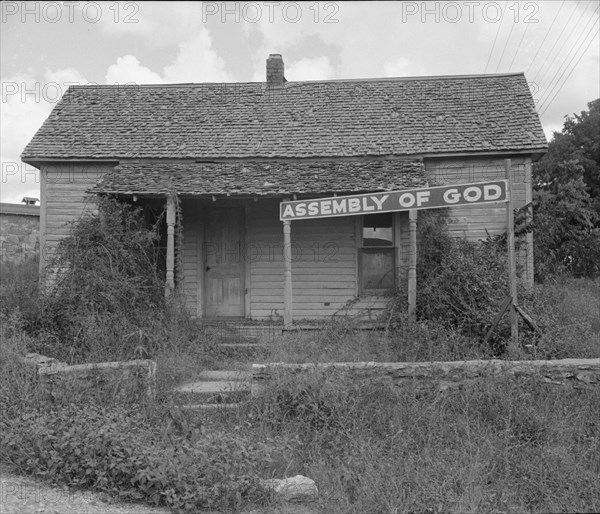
(500,445)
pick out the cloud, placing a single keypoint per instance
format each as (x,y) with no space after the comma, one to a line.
(309,69)
(195,61)
(128,69)
(401,67)
(26,103)
(160,25)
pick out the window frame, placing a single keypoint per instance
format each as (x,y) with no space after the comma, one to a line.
(361,291)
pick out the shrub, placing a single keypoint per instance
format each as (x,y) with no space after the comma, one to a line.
(19,288)
(566,225)
(106,300)
(18,386)
(461,284)
(566,312)
(122,452)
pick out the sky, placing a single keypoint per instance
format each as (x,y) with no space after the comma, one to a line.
(45,46)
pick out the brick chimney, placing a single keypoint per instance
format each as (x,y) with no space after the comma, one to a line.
(275,70)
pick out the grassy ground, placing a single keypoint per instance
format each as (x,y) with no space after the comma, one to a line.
(505,445)
(493,446)
(567,313)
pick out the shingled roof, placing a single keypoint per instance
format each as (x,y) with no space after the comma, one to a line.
(272,178)
(19,209)
(321,119)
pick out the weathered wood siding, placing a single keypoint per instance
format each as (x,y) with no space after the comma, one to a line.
(476,222)
(192,255)
(325,278)
(323,263)
(324,267)
(64,199)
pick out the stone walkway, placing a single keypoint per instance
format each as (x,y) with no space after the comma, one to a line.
(217,388)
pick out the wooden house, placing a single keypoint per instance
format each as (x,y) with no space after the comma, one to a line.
(228,154)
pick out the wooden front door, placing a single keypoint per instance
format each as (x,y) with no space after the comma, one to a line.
(223,264)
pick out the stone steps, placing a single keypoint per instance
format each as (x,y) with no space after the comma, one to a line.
(216,388)
(243,351)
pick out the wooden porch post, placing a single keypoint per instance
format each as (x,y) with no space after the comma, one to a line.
(412,266)
(170,278)
(287,274)
(512,272)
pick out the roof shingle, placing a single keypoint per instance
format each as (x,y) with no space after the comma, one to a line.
(376,117)
(273,178)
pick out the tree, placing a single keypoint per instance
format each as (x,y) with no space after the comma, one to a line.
(566,198)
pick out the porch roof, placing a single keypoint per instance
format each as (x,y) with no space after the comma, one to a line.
(272,178)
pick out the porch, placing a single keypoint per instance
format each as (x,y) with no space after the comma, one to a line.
(233,259)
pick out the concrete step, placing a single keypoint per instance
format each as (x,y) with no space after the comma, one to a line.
(219,391)
(212,406)
(228,375)
(239,332)
(246,350)
(213,386)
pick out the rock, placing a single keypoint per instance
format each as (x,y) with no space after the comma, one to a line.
(294,489)
(40,361)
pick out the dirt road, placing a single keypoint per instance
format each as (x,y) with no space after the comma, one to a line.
(24,495)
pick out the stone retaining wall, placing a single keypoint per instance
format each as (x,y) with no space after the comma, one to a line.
(19,237)
(442,375)
(129,379)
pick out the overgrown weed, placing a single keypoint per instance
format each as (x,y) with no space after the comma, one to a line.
(493,445)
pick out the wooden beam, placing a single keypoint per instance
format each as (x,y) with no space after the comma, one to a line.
(200,271)
(512,270)
(397,227)
(412,266)
(170,278)
(244,255)
(528,319)
(529,273)
(287,275)
(503,307)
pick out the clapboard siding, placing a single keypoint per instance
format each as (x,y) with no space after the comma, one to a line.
(323,267)
(323,263)
(191,254)
(472,221)
(64,200)
(476,222)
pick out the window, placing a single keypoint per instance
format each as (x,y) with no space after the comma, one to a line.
(376,253)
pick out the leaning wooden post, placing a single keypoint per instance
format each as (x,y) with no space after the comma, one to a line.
(287,274)
(412,266)
(512,270)
(170,278)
